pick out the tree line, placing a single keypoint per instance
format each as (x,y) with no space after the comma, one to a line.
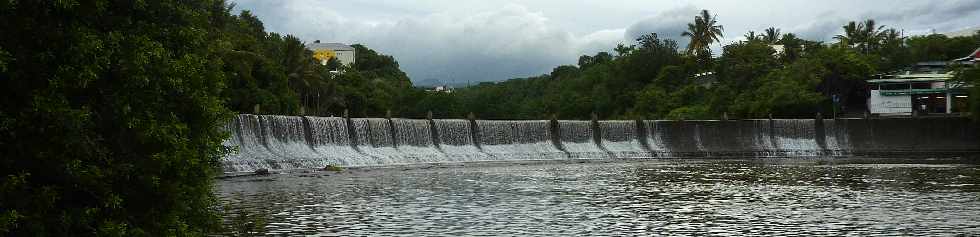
(655,79)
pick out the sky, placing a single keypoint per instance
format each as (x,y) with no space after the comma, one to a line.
(468,41)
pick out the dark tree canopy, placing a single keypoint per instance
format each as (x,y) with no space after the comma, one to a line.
(111,117)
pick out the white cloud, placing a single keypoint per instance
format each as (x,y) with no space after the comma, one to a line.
(475,40)
(491,45)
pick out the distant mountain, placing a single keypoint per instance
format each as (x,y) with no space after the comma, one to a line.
(432,82)
(965,32)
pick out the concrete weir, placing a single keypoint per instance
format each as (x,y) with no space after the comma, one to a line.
(284,142)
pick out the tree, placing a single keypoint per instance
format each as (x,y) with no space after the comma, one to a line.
(751,36)
(623,50)
(771,36)
(850,36)
(111,118)
(703,32)
(865,36)
(871,36)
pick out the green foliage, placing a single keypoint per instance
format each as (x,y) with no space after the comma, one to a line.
(111,117)
(938,47)
(652,79)
(970,75)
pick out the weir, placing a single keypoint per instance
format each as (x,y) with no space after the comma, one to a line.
(292,142)
(577,138)
(456,140)
(518,140)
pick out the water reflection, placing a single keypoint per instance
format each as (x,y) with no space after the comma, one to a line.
(660,197)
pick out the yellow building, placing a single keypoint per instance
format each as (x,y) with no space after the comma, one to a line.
(323,52)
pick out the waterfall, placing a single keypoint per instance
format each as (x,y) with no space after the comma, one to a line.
(621,139)
(835,138)
(373,136)
(577,139)
(286,137)
(761,136)
(796,137)
(456,140)
(655,138)
(720,138)
(415,141)
(518,140)
(251,152)
(332,141)
(290,142)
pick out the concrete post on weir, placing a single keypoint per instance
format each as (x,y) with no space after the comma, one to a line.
(351,134)
(433,131)
(819,131)
(596,133)
(555,131)
(724,116)
(642,134)
(474,131)
(391,129)
(771,131)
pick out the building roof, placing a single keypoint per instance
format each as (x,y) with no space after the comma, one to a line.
(330,46)
(975,56)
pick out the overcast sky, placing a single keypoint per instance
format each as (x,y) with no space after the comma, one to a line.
(478,40)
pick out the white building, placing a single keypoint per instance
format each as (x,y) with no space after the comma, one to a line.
(325,51)
(925,88)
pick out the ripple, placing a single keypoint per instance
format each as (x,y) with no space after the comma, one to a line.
(678,198)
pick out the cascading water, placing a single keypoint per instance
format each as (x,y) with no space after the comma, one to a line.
(577,139)
(286,137)
(762,137)
(331,140)
(621,139)
(373,136)
(835,138)
(415,141)
(796,137)
(518,140)
(250,151)
(656,138)
(721,138)
(285,142)
(456,140)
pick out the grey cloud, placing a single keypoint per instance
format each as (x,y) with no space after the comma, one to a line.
(930,12)
(916,19)
(459,41)
(823,30)
(493,45)
(667,24)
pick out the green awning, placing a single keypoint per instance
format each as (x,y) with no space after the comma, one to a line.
(920,91)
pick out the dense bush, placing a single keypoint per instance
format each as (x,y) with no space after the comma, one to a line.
(110,117)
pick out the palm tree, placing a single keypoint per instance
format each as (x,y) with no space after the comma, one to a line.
(771,36)
(751,36)
(871,35)
(704,31)
(850,36)
(865,36)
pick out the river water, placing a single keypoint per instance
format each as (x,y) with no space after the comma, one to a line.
(793,196)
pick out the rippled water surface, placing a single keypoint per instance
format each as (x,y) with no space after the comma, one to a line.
(659,197)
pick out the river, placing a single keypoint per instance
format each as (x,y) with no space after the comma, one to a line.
(675,197)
